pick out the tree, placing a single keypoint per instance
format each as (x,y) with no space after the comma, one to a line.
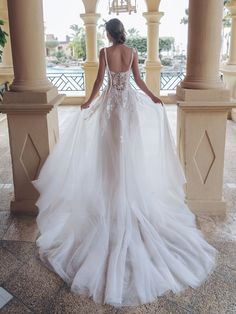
(184,19)
(134,39)
(60,55)
(3,39)
(132,32)
(166,43)
(78,43)
(51,44)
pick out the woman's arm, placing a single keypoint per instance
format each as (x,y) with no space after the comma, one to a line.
(141,84)
(98,81)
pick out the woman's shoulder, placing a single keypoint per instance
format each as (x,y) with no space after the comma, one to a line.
(134,49)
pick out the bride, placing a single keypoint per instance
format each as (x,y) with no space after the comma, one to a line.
(112,215)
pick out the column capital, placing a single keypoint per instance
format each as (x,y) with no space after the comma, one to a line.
(153,17)
(90,18)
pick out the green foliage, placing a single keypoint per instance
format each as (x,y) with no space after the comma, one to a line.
(78,43)
(3,39)
(166,43)
(166,61)
(226,16)
(139,42)
(184,19)
(132,32)
(52,44)
(134,39)
(61,56)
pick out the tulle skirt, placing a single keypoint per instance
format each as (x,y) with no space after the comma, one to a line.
(112,214)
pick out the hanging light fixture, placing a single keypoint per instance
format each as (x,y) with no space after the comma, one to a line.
(122,6)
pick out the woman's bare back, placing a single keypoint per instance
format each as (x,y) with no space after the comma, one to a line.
(119,58)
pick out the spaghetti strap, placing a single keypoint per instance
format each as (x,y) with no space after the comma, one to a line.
(105,52)
(108,70)
(131,61)
(132,58)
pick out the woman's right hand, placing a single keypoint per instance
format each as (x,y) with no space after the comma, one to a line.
(85,105)
(155,99)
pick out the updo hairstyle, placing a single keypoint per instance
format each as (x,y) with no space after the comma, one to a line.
(116,29)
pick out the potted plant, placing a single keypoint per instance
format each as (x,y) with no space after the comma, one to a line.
(3,39)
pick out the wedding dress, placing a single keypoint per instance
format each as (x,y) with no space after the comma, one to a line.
(112,214)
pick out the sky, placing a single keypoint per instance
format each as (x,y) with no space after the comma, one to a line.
(60,14)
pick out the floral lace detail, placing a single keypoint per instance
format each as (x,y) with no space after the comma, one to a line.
(119,80)
(114,97)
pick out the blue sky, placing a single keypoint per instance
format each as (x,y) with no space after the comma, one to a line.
(59,15)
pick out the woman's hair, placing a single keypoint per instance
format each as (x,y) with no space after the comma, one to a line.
(116,29)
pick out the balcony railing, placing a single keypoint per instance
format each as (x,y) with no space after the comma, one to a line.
(170,80)
(75,82)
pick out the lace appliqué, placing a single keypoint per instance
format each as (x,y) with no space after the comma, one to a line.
(119,80)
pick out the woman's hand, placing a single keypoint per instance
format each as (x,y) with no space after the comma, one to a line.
(155,99)
(85,105)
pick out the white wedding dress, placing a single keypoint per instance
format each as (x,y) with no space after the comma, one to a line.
(112,215)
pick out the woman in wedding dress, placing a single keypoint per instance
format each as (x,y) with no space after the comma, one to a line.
(112,215)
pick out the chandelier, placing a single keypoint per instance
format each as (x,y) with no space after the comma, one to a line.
(121,6)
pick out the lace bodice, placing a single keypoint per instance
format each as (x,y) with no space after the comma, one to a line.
(119,80)
(116,93)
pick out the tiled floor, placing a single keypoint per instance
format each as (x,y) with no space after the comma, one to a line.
(35,289)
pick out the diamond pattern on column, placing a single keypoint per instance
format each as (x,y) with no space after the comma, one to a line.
(30,158)
(204,156)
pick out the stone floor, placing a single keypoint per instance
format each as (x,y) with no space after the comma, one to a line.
(35,289)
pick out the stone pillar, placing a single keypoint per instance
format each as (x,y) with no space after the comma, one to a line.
(204,43)
(91,65)
(203,104)
(229,68)
(31,103)
(153,63)
(6,67)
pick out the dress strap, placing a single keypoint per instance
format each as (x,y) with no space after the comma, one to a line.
(108,70)
(105,52)
(132,58)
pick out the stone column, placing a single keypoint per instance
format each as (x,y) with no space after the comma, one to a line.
(203,104)
(229,68)
(6,66)
(204,43)
(91,65)
(31,103)
(153,63)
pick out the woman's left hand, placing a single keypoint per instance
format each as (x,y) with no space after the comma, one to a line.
(85,105)
(155,99)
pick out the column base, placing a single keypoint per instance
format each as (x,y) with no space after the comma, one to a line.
(24,207)
(201,84)
(31,85)
(204,207)
(201,127)
(33,131)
